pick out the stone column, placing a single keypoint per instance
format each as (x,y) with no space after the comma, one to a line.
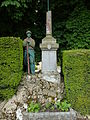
(49,53)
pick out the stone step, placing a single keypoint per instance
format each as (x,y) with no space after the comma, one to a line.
(50,116)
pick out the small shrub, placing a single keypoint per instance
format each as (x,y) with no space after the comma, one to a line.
(48,105)
(63,106)
(33,107)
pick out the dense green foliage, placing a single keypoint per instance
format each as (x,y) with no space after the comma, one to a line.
(11,65)
(78,29)
(71,21)
(76,70)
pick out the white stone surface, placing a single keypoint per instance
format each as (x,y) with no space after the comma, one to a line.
(19,115)
(49,61)
(10,106)
(51,77)
(59,69)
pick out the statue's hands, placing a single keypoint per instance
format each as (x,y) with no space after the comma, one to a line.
(28,41)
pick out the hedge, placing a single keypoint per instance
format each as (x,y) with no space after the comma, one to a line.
(11,65)
(76,71)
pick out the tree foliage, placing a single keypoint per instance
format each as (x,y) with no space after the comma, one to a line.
(78,29)
(73,31)
(71,20)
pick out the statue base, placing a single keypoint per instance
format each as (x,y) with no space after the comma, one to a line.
(53,77)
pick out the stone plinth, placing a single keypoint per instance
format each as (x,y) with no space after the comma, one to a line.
(49,59)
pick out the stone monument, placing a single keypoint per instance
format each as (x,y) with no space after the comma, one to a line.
(49,53)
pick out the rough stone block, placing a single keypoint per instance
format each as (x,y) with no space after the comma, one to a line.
(51,116)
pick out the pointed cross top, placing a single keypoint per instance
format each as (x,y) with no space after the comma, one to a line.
(48,5)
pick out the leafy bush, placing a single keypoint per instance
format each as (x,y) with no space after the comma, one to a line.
(77,33)
(76,70)
(33,107)
(63,106)
(11,65)
(74,31)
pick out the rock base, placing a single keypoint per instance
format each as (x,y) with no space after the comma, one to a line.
(34,89)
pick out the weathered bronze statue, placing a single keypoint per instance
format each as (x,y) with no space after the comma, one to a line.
(31,44)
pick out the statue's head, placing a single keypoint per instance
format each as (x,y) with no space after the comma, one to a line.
(28,33)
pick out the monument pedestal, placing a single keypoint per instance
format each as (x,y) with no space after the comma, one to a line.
(49,59)
(53,77)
